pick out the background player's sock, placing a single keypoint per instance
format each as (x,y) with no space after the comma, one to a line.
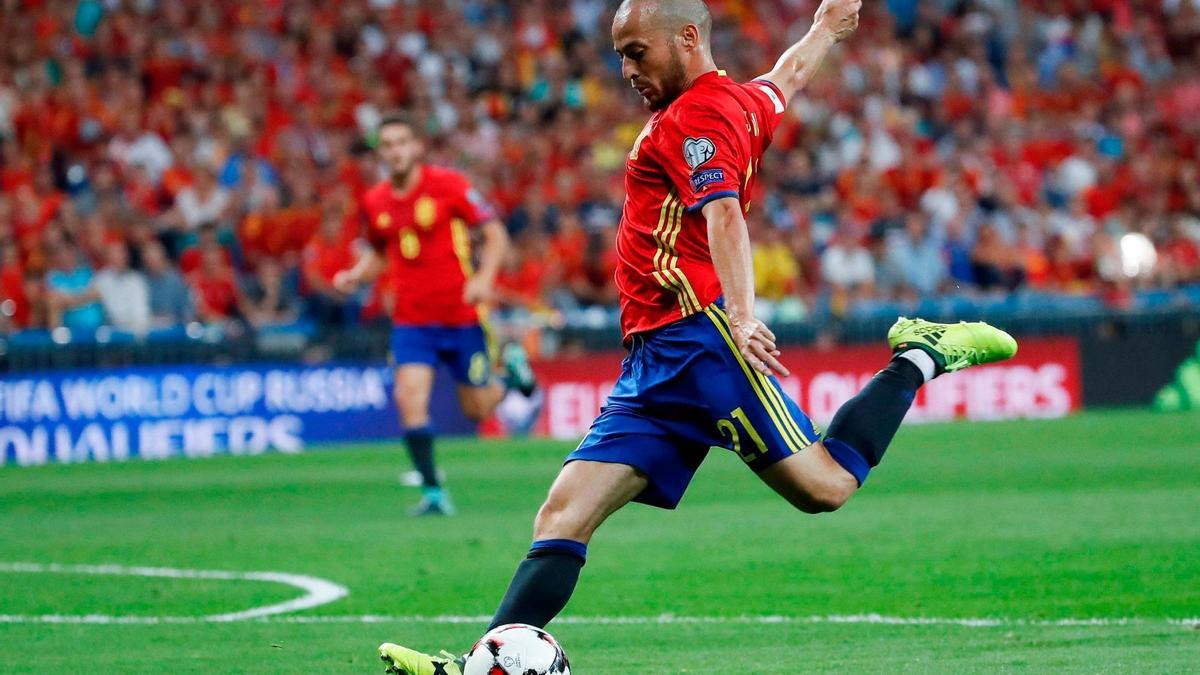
(420,449)
(863,428)
(543,583)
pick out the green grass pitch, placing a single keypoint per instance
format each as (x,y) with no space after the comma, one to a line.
(1093,517)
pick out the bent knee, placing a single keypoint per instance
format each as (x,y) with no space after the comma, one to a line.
(824,498)
(557,520)
(824,503)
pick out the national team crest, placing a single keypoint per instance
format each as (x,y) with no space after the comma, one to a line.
(698,151)
(425,212)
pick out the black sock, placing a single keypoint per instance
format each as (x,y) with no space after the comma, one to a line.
(420,450)
(543,583)
(863,428)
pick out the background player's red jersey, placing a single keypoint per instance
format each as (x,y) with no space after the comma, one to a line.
(706,145)
(425,237)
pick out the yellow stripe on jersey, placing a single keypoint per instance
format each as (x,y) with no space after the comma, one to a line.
(665,272)
(771,399)
(673,264)
(462,246)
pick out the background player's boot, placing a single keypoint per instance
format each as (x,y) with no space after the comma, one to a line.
(518,375)
(405,661)
(953,346)
(413,478)
(434,502)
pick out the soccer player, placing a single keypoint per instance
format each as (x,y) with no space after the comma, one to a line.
(419,223)
(700,366)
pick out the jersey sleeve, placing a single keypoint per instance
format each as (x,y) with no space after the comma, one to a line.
(468,203)
(705,151)
(771,105)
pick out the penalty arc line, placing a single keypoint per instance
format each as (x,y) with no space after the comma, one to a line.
(317,591)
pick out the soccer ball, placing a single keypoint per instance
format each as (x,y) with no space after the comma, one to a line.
(517,649)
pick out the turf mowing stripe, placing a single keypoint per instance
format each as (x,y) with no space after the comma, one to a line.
(317,591)
(667,619)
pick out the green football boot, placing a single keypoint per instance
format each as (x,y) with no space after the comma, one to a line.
(405,661)
(953,346)
(518,374)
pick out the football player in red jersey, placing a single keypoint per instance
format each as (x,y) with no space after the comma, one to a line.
(700,368)
(419,224)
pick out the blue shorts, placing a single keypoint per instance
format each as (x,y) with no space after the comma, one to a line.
(684,389)
(464,350)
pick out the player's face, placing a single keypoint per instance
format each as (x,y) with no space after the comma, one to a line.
(399,148)
(651,60)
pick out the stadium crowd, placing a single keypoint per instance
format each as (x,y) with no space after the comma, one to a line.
(169,162)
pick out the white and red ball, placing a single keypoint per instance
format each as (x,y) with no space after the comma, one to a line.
(517,649)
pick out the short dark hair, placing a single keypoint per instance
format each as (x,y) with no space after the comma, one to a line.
(398,118)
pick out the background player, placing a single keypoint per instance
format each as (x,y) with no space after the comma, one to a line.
(699,372)
(419,223)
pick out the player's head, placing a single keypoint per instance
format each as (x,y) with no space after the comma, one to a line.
(662,44)
(399,145)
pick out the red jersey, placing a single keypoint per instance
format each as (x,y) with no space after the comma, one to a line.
(424,236)
(706,145)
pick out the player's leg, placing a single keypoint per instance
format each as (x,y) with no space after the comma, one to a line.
(582,497)
(863,428)
(777,440)
(414,386)
(470,353)
(811,480)
(414,351)
(824,475)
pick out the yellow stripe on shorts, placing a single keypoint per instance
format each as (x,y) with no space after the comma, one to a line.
(771,391)
(788,437)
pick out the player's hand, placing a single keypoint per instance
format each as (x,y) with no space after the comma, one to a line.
(477,291)
(757,344)
(839,17)
(345,282)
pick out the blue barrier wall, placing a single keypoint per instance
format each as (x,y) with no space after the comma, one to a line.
(199,411)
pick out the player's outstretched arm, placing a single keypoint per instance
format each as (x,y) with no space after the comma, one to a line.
(729,246)
(369,266)
(835,21)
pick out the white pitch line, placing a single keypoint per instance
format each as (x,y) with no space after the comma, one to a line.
(667,619)
(317,591)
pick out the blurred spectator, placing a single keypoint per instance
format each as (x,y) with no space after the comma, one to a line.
(1181,254)
(72,298)
(998,266)
(776,270)
(269,301)
(917,256)
(214,287)
(329,251)
(133,146)
(124,293)
(14,304)
(170,298)
(520,284)
(207,239)
(849,270)
(204,201)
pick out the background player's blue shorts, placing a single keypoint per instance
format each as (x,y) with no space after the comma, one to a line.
(685,388)
(464,350)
